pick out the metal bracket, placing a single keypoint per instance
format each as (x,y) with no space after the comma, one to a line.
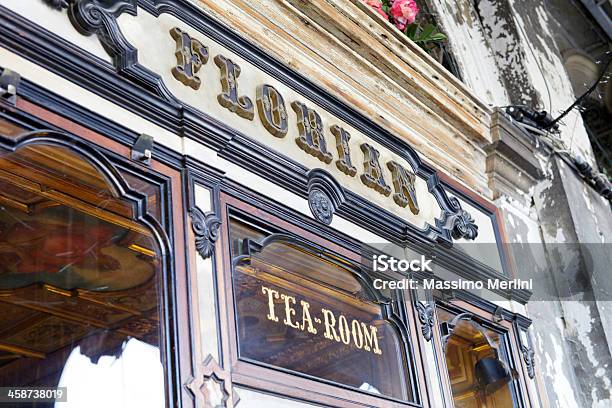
(497,314)
(447,295)
(9,82)
(142,150)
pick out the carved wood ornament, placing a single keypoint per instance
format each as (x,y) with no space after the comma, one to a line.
(212,386)
(206,229)
(425,312)
(460,223)
(529,359)
(325,195)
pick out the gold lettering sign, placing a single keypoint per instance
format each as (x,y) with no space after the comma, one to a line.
(229,98)
(190,56)
(272,111)
(372,172)
(311,138)
(360,162)
(332,326)
(344,164)
(403,181)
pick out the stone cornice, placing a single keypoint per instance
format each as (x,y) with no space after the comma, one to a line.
(512,164)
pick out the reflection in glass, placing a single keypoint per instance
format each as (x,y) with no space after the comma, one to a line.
(137,372)
(477,366)
(78,283)
(303,311)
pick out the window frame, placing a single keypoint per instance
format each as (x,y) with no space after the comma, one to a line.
(112,157)
(294,384)
(502,326)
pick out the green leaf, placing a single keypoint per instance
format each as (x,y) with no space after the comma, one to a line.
(438,37)
(427,32)
(411,30)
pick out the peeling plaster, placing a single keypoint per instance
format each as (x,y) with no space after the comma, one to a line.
(553,369)
(471,48)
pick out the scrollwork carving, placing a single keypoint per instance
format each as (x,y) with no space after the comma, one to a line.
(100,17)
(425,312)
(460,223)
(529,359)
(206,229)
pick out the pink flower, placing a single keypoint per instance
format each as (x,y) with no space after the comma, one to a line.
(377,5)
(404,12)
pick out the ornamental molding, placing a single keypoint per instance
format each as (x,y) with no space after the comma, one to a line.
(325,195)
(529,359)
(205,226)
(460,223)
(320,206)
(100,17)
(212,387)
(378,177)
(425,312)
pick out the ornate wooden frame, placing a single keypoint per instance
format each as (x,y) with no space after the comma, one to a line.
(292,384)
(108,156)
(504,325)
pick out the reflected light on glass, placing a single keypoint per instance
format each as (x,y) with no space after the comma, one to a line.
(134,379)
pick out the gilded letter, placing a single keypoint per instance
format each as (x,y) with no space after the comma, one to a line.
(242,105)
(330,323)
(289,311)
(272,111)
(345,332)
(311,138)
(272,294)
(190,56)
(357,334)
(373,174)
(403,182)
(306,319)
(371,339)
(344,152)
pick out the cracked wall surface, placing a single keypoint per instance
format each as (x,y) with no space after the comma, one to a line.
(511,52)
(508,53)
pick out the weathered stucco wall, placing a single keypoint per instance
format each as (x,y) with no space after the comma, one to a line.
(555,222)
(575,221)
(509,56)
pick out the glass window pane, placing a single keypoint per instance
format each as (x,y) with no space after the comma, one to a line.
(304,311)
(478,368)
(79,284)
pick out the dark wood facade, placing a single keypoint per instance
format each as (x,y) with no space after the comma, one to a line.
(168,211)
